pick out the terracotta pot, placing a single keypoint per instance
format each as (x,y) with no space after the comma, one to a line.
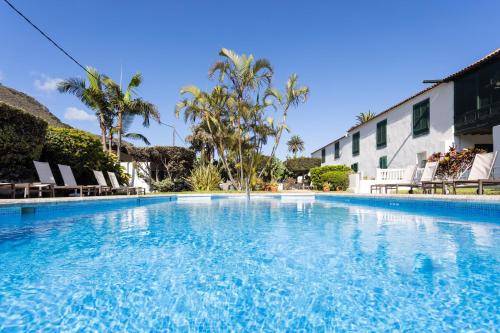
(273,188)
(326,188)
(339,188)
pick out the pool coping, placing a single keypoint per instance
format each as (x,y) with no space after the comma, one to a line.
(440,197)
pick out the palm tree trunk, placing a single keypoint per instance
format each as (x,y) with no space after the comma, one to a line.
(276,141)
(103,131)
(120,129)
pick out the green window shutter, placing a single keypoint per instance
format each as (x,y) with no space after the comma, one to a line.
(323,155)
(337,149)
(421,118)
(354,167)
(382,134)
(355,144)
(382,162)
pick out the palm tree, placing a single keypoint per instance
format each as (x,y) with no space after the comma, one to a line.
(92,95)
(127,122)
(364,117)
(124,103)
(211,110)
(295,144)
(293,97)
(244,76)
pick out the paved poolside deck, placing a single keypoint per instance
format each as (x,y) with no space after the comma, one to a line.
(462,198)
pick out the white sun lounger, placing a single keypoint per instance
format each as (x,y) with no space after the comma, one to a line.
(48,182)
(115,186)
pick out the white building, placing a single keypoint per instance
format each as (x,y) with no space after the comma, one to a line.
(462,110)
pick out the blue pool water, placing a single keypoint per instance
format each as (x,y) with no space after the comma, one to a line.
(282,264)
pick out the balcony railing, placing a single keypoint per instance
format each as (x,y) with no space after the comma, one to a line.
(478,119)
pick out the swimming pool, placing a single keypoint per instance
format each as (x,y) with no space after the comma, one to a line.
(282,263)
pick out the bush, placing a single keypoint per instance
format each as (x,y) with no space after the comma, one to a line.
(83,152)
(453,163)
(164,162)
(302,165)
(165,185)
(336,179)
(205,178)
(21,141)
(316,173)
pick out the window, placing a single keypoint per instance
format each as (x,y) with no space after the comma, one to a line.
(421,118)
(323,155)
(337,149)
(355,144)
(354,167)
(382,134)
(382,162)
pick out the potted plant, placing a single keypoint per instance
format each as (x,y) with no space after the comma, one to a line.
(273,186)
(326,187)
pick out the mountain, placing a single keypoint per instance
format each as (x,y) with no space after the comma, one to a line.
(30,105)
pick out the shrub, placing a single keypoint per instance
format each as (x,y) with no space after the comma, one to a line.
(453,163)
(316,173)
(302,165)
(165,185)
(336,179)
(164,162)
(21,141)
(204,178)
(83,152)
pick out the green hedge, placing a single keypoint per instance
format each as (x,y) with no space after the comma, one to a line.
(21,140)
(82,151)
(336,179)
(318,172)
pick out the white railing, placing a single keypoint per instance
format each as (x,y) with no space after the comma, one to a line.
(390,174)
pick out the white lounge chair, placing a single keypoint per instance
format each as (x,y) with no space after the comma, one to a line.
(392,177)
(70,181)
(115,185)
(479,175)
(48,182)
(427,175)
(103,187)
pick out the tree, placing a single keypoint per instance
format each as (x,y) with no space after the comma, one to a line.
(245,77)
(364,117)
(125,103)
(295,144)
(293,96)
(92,95)
(235,113)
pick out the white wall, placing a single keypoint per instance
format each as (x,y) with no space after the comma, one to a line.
(402,148)
(135,180)
(468,141)
(496,147)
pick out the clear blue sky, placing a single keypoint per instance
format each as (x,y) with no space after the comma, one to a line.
(354,55)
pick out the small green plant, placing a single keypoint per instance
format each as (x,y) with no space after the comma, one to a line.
(336,179)
(204,178)
(165,185)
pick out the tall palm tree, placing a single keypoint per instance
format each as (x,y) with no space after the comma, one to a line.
(364,117)
(293,97)
(92,95)
(211,110)
(295,144)
(125,102)
(244,76)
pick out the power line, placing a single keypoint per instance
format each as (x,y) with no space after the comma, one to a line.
(174,134)
(47,37)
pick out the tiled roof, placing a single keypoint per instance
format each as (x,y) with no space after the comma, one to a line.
(493,55)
